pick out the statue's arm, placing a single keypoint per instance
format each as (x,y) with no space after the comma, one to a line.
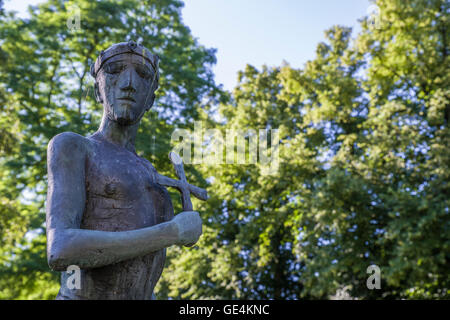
(67,244)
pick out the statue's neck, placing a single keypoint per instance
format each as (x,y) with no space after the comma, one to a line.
(121,135)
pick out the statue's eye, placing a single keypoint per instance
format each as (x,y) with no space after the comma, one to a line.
(143,71)
(114,67)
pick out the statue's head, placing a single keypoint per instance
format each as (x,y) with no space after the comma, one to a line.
(126,78)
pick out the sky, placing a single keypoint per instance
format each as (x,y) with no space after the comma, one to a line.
(258,32)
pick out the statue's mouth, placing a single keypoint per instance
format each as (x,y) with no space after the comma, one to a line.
(128,99)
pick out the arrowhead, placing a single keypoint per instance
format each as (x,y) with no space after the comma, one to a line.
(175,158)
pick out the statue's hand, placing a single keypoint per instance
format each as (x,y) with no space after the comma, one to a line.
(189,227)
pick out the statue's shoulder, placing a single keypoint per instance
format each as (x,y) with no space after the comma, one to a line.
(152,170)
(68,143)
(148,164)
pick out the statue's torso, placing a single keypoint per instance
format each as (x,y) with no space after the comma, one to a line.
(121,194)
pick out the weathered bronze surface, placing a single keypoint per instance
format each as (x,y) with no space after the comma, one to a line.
(108,211)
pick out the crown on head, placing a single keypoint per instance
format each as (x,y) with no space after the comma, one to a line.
(125,47)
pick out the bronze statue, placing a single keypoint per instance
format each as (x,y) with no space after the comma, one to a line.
(108,211)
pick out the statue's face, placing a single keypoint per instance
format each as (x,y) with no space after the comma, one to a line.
(125,86)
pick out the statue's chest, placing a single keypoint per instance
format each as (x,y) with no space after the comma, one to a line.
(118,175)
(121,193)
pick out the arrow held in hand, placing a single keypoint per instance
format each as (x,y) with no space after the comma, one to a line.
(182,185)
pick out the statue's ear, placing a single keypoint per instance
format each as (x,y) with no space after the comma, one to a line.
(97,93)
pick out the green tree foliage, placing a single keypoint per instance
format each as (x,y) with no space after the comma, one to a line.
(363,177)
(45,89)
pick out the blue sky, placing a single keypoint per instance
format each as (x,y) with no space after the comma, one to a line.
(259,31)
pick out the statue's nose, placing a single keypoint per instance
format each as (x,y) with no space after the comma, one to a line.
(127,80)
